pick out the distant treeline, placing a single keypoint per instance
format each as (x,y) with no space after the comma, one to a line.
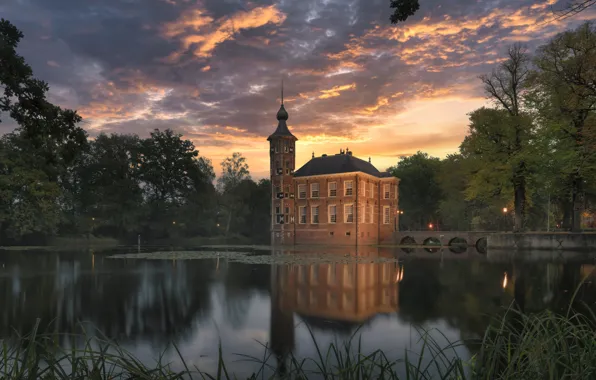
(528,162)
(55,181)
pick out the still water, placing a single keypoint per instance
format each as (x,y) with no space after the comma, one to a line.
(145,304)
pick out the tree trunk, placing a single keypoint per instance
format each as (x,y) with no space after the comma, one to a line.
(519,191)
(577,204)
(228,222)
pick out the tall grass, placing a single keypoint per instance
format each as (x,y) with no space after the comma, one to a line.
(517,346)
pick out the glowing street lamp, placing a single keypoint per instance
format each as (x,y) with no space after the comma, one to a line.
(430,225)
(504,210)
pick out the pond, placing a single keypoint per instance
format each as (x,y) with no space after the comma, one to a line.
(247,297)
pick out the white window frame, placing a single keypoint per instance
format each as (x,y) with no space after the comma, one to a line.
(347,214)
(371,190)
(386,191)
(314,214)
(332,192)
(386,214)
(362,191)
(332,217)
(371,214)
(302,187)
(367,189)
(301,214)
(350,188)
(314,190)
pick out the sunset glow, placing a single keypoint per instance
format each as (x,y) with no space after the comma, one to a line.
(211,70)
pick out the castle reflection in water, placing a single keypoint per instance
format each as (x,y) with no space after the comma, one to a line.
(164,301)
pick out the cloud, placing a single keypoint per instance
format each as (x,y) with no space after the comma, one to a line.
(212,69)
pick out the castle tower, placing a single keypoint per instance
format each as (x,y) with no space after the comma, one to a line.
(282,157)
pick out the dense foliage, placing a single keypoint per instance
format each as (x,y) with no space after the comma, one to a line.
(528,162)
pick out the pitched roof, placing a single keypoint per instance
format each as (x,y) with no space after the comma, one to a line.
(338,163)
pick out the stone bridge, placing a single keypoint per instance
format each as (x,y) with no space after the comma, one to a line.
(451,239)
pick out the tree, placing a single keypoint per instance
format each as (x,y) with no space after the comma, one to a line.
(28,199)
(564,95)
(506,86)
(234,170)
(52,131)
(492,147)
(454,208)
(419,191)
(171,172)
(111,194)
(403,9)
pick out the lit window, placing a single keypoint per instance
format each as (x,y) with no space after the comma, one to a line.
(386,215)
(386,188)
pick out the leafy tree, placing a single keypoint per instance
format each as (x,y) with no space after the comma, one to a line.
(565,99)
(170,172)
(455,210)
(111,193)
(28,199)
(506,86)
(402,9)
(419,191)
(52,131)
(234,170)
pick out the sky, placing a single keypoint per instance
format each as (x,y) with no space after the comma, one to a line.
(211,70)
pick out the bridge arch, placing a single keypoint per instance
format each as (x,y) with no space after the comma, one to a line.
(458,245)
(432,244)
(481,245)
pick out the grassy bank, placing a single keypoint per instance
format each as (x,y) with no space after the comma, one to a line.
(541,346)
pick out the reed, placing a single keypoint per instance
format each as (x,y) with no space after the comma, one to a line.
(516,346)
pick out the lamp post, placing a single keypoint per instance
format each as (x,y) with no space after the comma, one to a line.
(505,218)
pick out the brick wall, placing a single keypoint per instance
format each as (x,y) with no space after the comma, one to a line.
(365,202)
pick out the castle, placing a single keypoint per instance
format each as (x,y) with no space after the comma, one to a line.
(332,199)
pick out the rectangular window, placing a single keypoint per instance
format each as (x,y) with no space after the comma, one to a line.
(386,188)
(333,214)
(348,188)
(396,189)
(314,215)
(348,213)
(287,210)
(332,189)
(314,190)
(277,210)
(302,191)
(368,189)
(386,215)
(362,189)
(370,214)
(302,219)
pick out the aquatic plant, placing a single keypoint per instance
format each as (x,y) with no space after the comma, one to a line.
(517,346)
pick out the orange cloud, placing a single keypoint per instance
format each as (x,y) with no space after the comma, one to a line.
(335,91)
(202,34)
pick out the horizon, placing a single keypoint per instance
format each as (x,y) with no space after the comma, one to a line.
(212,71)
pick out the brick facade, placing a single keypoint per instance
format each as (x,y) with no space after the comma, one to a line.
(353,206)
